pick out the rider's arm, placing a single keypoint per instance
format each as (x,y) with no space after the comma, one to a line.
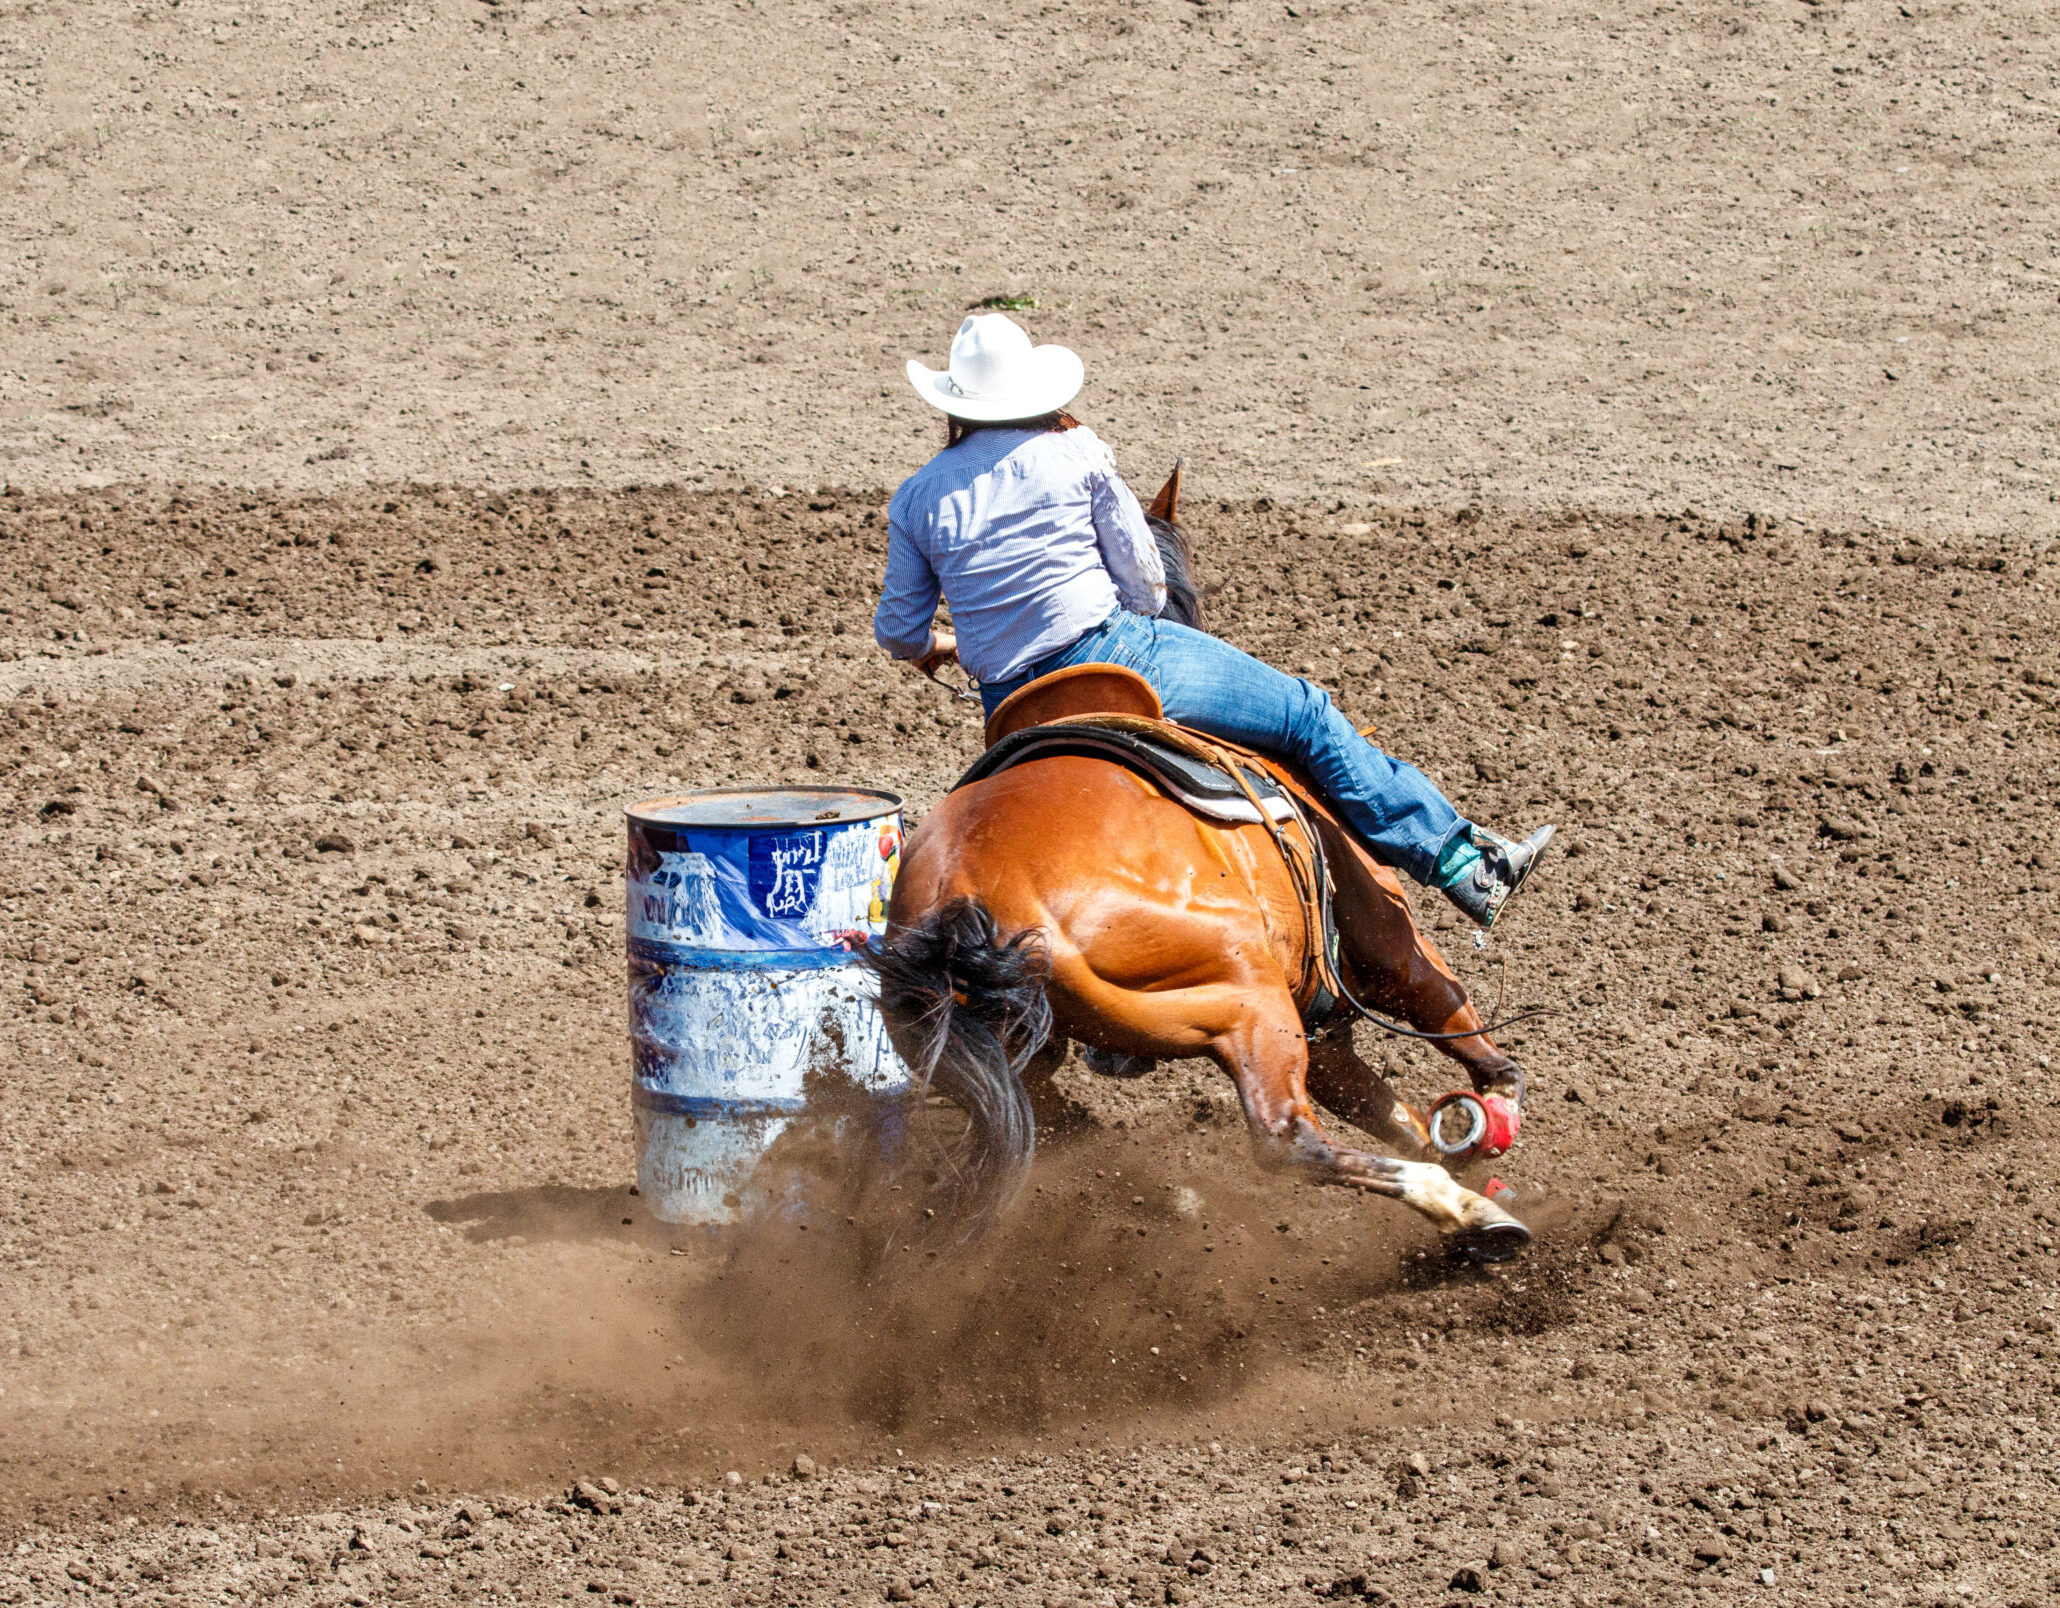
(1127,545)
(908,599)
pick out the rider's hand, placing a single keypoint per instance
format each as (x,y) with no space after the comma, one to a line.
(943,651)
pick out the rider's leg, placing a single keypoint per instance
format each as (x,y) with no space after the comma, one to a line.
(1402,818)
(1394,808)
(1206,683)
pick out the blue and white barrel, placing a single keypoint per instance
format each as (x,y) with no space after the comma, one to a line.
(740,989)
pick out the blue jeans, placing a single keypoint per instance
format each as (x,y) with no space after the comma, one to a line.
(1205,683)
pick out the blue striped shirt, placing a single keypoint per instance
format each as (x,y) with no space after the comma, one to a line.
(1031,537)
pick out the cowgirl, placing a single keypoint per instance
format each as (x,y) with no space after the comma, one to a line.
(1024,527)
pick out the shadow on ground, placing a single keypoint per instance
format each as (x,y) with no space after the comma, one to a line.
(552,1212)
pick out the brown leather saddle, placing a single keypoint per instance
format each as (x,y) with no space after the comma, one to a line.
(1081,689)
(1106,712)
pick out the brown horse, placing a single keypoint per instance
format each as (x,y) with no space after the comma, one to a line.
(1068,898)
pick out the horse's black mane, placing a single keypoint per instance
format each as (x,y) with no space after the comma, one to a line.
(1183,594)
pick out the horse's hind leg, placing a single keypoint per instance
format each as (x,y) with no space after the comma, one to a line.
(1343,1083)
(1247,1024)
(1267,1055)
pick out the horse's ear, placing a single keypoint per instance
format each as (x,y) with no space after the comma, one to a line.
(1166,505)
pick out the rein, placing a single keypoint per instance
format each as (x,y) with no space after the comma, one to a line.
(962,694)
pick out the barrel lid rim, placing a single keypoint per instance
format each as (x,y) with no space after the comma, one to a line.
(870,804)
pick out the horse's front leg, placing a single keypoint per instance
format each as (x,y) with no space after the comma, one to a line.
(1268,1057)
(1345,1084)
(1394,967)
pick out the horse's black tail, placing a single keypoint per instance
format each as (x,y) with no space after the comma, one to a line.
(1177,557)
(966,1009)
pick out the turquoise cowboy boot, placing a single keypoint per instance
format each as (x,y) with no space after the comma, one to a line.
(1480,872)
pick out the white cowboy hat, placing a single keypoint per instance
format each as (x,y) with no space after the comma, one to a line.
(996,373)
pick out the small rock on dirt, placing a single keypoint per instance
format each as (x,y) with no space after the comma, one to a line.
(333,843)
(804,1467)
(1796,983)
(585,1494)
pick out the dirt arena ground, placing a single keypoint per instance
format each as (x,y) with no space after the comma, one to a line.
(1643,416)
(317,1214)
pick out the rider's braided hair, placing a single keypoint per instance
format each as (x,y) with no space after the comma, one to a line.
(956,430)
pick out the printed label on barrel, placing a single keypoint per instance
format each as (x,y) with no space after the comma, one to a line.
(677,902)
(770,890)
(786,871)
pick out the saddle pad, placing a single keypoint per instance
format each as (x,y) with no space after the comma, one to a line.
(1188,781)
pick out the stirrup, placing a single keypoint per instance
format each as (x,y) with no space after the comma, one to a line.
(1504,867)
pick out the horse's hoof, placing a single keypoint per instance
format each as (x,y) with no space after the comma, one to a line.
(1488,1125)
(1503,1241)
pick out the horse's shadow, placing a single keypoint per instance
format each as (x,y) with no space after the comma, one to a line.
(550,1212)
